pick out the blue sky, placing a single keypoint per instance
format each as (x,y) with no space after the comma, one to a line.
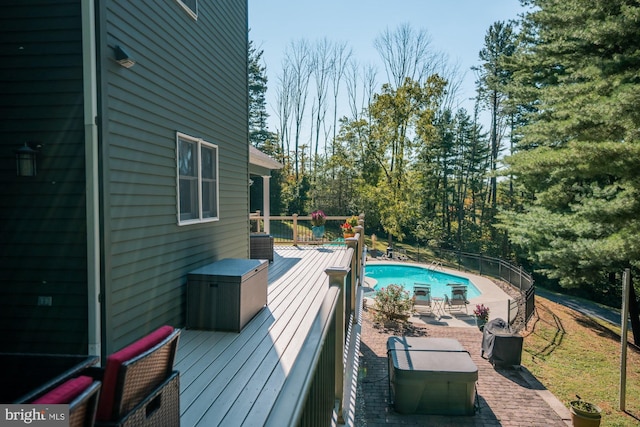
(457,28)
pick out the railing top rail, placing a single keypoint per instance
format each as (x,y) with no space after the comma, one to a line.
(302,217)
(486,257)
(288,406)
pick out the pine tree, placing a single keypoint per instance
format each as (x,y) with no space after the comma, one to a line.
(580,151)
(259,135)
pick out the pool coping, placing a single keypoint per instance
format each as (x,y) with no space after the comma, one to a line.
(491,295)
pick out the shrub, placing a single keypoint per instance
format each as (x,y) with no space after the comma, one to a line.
(392,304)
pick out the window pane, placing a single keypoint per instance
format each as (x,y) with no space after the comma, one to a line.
(188,169)
(188,198)
(209,196)
(208,163)
(209,206)
(187,158)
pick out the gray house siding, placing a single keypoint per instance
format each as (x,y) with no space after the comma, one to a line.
(189,77)
(42,218)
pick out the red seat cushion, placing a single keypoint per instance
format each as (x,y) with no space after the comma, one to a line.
(114,361)
(66,391)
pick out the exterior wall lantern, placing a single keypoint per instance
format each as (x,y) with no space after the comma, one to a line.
(26,159)
(123,58)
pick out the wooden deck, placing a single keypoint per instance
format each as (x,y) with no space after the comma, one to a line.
(235,378)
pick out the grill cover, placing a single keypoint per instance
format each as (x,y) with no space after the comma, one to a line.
(500,345)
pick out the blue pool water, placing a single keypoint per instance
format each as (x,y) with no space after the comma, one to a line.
(407,275)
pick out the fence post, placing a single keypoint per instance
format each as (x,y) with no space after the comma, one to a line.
(359,230)
(520,278)
(337,277)
(295,229)
(352,242)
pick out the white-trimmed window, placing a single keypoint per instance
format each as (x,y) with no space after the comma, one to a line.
(190,6)
(197,179)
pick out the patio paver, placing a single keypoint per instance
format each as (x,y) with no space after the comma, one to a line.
(506,396)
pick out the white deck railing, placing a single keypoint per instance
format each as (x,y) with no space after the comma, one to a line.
(316,396)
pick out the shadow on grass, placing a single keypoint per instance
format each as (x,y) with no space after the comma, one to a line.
(634,416)
(604,332)
(554,323)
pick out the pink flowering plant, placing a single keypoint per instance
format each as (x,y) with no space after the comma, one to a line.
(392,303)
(481,312)
(318,218)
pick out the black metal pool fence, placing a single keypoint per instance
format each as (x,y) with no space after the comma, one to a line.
(494,267)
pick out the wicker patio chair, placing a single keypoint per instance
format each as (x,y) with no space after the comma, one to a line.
(81,394)
(140,387)
(261,246)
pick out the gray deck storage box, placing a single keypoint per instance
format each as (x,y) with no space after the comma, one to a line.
(431,376)
(227,294)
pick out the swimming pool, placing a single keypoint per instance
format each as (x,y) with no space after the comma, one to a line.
(407,275)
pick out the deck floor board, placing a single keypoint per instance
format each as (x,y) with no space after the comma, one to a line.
(223,375)
(280,362)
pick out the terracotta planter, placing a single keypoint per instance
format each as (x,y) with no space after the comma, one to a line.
(348,235)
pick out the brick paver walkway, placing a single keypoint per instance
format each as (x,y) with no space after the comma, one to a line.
(507,397)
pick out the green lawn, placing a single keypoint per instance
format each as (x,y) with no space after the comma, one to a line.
(572,354)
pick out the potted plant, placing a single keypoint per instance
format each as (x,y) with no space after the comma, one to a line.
(482,315)
(584,414)
(352,221)
(318,219)
(347,230)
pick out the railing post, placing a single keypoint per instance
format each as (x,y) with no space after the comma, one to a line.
(352,242)
(360,231)
(295,229)
(266,202)
(520,280)
(337,277)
